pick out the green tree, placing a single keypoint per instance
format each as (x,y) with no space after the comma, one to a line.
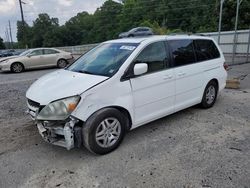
(42,26)
(2,46)
(23,34)
(78,29)
(164,16)
(106,21)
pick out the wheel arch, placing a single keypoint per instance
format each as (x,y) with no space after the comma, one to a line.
(17,62)
(123,111)
(61,58)
(216,81)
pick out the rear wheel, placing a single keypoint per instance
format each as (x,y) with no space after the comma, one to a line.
(62,63)
(104,131)
(210,95)
(17,67)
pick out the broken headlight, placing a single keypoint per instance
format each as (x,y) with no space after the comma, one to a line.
(59,110)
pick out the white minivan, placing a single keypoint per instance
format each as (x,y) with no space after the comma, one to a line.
(122,84)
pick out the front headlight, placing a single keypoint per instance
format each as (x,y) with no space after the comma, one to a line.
(59,110)
(4,61)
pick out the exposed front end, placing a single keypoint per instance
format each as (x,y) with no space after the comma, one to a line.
(56,130)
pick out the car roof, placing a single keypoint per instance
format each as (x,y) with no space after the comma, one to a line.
(44,49)
(155,38)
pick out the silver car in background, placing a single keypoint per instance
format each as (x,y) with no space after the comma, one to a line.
(37,58)
(138,31)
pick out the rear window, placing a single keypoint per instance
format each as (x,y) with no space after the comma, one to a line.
(183,51)
(206,50)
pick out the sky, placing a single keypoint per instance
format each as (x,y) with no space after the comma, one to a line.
(61,9)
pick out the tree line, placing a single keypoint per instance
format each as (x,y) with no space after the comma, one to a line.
(164,16)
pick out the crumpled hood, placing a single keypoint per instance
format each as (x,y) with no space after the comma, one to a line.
(61,84)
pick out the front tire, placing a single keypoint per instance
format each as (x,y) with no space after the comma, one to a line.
(210,95)
(17,67)
(104,131)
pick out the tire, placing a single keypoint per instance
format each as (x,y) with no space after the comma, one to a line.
(62,63)
(98,135)
(209,95)
(17,67)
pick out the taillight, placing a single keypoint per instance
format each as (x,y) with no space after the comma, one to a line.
(225,66)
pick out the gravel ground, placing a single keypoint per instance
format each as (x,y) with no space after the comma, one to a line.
(192,148)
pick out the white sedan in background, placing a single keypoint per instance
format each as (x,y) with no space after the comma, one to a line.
(37,58)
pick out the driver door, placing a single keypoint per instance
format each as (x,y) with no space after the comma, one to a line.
(34,59)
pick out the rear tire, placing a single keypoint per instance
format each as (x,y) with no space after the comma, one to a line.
(104,131)
(17,67)
(209,95)
(62,63)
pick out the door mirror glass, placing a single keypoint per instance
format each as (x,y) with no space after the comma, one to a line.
(140,69)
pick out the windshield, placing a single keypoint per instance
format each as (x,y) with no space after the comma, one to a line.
(25,53)
(104,60)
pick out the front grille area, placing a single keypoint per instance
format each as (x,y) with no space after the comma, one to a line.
(33,103)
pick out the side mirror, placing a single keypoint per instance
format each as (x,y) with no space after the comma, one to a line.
(29,55)
(140,68)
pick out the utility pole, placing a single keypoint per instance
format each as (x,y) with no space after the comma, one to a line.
(235,28)
(11,40)
(220,20)
(21,9)
(7,38)
(23,23)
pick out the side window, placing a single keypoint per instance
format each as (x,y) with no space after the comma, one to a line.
(50,51)
(183,52)
(36,52)
(154,55)
(205,50)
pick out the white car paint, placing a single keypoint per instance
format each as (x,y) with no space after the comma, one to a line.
(142,97)
(146,98)
(61,84)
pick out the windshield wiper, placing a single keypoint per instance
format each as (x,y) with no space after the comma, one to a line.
(85,72)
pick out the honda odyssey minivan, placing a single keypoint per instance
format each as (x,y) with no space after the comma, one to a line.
(123,84)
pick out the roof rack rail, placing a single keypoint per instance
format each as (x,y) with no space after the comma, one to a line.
(179,33)
(198,34)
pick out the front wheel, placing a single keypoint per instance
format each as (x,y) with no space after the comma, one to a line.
(17,67)
(104,131)
(210,95)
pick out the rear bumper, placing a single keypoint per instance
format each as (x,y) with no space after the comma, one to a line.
(70,61)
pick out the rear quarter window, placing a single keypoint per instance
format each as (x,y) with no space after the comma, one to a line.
(205,50)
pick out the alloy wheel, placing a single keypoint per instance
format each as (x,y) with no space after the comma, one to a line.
(108,132)
(210,94)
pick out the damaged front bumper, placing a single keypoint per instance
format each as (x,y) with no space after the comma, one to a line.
(66,134)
